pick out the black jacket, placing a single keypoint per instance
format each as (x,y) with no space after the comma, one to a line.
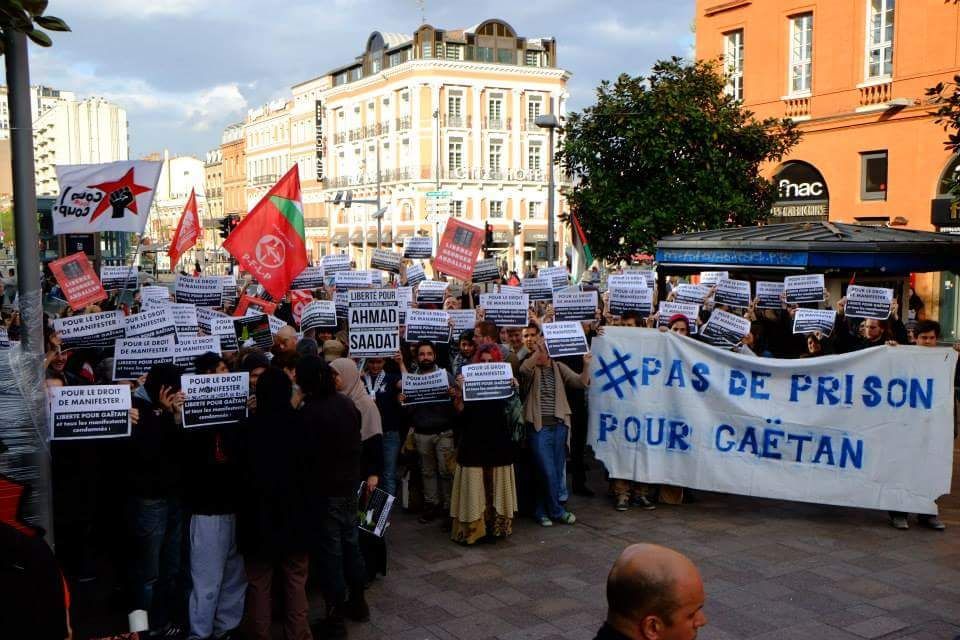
(154,453)
(609,633)
(212,469)
(332,431)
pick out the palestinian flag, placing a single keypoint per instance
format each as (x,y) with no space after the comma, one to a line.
(270,242)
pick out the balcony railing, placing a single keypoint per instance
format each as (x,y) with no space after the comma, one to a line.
(458,122)
(340,138)
(876,94)
(403,123)
(530,125)
(798,107)
(498,124)
(267,178)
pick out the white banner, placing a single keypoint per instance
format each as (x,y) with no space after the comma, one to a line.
(114,196)
(844,430)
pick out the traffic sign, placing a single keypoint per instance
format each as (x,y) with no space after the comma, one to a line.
(439,194)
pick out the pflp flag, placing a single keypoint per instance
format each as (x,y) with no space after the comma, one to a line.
(113,196)
(188,230)
(270,242)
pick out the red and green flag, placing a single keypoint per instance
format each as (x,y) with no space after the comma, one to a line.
(270,242)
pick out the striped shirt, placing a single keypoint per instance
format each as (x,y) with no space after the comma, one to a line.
(548,395)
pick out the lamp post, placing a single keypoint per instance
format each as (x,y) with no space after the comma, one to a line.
(549,122)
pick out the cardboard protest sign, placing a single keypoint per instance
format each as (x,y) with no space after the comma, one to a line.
(384,260)
(557,276)
(458,249)
(318,313)
(537,288)
(310,278)
(93,411)
(692,293)
(487,381)
(333,263)
(627,279)
(507,289)
(229,284)
(506,310)
(214,323)
(463,320)
(630,298)
(564,339)
(251,304)
(423,388)
(805,288)
(580,306)
(418,248)
(486,270)
(133,357)
(666,310)
(185,319)
(214,398)
(427,324)
(710,278)
(375,512)
(404,301)
(187,349)
(431,292)
(77,280)
(724,329)
(253,330)
(150,293)
(733,293)
(374,323)
(810,320)
(415,275)
(769,295)
(342,301)
(346,280)
(276,324)
(91,330)
(868,302)
(203,292)
(114,277)
(152,323)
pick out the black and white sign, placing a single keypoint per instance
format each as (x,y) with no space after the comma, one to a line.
(214,398)
(319,313)
(710,278)
(770,295)
(577,306)
(725,329)
(805,288)
(624,298)
(487,381)
(558,276)
(463,320)
(218,324)
(509,290)
(229,284)
(374,321)
(203,292)
(649,277)
(187,349)
(92,411)
(415,274)
(151,292)
(347,280)
(152,323)
(118,277)
(628,279)
(385,260)
(276,324)
(733,293)
(334,263)
(133,357)
(431,292)
(427,324)
(4,338)
(342,301)
(537,288)
(868,302)
(692,293)
(486,270)
(253,331)
(184,319)
(310,278)
(418,248)
(506,310)
(375,512)
(404,301)
(426,387)
(565,339)
(90,330)
(666,310)
(810,320)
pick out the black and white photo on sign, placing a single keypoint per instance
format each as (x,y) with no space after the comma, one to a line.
(810,320)
(152,323)
(692,293)
(318,313)
(310,278)
(203,292)
(537,288)
(133,357)
(418,248)
(374,323)
(557,276)
(214,398)
(506,310)
(486,270)
(114,277)
(463,320)
(375,512)
(805,288)
(415,274)
(623,298)
(151,292)
(868,302)
(346,280)
(431,292)
(565,339)
(427,324)
(725,329)
(769,295)
(89,411)
(384,260)
(733,293)
(578,306)
(90,329)
(186,350)
(627,279)
(710,278)
(184,319)
(426,387)
(666,310)
(334,263)
(253,331)
(487,381)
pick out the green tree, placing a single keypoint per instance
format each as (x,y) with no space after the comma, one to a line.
(946,97)
(27,17)
(665,154)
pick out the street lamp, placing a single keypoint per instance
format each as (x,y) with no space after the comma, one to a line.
(549,121)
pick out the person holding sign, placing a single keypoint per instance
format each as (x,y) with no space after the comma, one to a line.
(875,332)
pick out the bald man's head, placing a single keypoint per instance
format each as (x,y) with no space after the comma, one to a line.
(655,593)
(286,339)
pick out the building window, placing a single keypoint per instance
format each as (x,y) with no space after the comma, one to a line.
(455,109)
(873,172)
(376,63)
(534,155)
(425,49)
(534,209)
(456,208)
(733,61)
(496,153)
(484,54)
(454,52)
(801,53)
(495,111)
(880,39)
(506,56)
(531,58)
(534,108)
(496,209)
(455,153)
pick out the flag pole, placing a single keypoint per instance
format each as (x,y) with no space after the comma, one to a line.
(133,265)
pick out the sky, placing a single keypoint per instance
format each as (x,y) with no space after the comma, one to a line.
(184,69)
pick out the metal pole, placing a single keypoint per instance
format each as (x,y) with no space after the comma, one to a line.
(550,242)
(379,217)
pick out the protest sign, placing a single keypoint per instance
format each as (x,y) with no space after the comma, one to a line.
(507,289)
(310,278)
(153,293)
(711,278)
(506,310)
(229,284)
(218,324)
(427,324)
(253,330)
(564,339)
(770,295)
(251,304)
(404,301)
(537,289)
(486,270)
(805,288)
(487,381)
(458,249)
(868,302)
(299,299)
(557,276)
(333,263)
(666,310)
(463,320)
(318,313)
(91,330)
(276,324)
(421,388)
(214,398)
(649,276)
(829,430)
(133,358)
(575,305)
(110,196)
(346,280)
(4,338)
(418,247)
(733,293)
(159,303)
(373,322)
(415,275)
(385,260)
(628,279)
(91,411)
(114,277)
(810,320)
(203,292)
(152,323)
(431,292)
(375,512)
(630,298)
(724,329)
(692,293)
(77,280)
(187,349)
(184,319)
(342,301)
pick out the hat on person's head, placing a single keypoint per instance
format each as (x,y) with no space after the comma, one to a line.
(254,360)
(333,349)
(308,347)
(676,318)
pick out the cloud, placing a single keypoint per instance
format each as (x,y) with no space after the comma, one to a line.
(616,30)
(213,104)
(132,9)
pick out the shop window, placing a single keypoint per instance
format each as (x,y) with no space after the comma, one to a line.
(873,172)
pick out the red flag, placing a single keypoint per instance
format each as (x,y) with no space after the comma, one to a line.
(299,298)
(188,230)
(270,241)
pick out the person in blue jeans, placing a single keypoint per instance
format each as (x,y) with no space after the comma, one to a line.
(384,388)
(547,414)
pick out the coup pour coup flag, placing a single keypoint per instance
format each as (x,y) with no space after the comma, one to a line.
(188,230)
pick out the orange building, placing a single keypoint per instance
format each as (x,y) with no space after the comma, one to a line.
(853,74)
